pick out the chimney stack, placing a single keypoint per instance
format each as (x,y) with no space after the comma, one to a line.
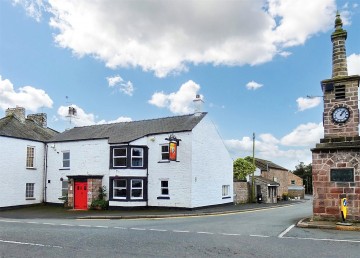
(18,112)
(40,119)
(198,105)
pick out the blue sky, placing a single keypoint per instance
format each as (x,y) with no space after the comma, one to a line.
(252,62)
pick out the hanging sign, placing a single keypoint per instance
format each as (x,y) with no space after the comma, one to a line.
(172,150)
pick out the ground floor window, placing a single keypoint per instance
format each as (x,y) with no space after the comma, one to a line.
(225,191)
(29,193)
(128,189)
(164,187)
(64,188)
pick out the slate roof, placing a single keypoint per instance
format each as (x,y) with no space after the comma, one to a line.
(125,132)
(10,126)
(263,164)
(266,181)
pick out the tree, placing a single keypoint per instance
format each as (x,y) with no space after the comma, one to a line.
(305,172)
(242,168)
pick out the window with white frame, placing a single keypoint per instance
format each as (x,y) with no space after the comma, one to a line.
(136,189)
(225,190)
(64,188)
(119,157)
(164,187)
(30,157)
(29,192)
(66,159)
(164,151)
(119,188)
(137,157)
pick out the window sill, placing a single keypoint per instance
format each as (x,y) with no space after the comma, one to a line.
(31,168)
(163,198)
(226,197)
(64,168)
(30,198)
(164,161)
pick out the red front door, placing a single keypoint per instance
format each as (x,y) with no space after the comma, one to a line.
(80,196)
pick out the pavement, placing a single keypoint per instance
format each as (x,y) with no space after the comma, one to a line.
(58,212)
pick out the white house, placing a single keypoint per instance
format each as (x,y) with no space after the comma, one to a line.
(22,159)
(178,161)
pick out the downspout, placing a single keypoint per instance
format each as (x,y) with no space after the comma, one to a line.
(45,172)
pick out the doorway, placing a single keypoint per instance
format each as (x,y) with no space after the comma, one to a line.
(80,200)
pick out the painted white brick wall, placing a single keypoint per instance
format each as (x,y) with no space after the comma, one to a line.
(212,166)
(86,158)
(14,172)
(178,173)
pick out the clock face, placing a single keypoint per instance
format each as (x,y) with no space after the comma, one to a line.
(341,114)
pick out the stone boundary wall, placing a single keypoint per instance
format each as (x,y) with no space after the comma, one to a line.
(241,192)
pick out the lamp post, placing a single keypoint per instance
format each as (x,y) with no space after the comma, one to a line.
(253,173)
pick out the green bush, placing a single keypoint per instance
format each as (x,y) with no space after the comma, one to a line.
(99,205)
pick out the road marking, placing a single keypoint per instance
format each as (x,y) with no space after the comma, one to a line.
(158,230)
(209,233)
(11,221)
(324,239)
(181,231)
(138,228)
(101,226)
(120,227)
(67,225)
(24,243)
(51,224)
(286,231)
(227,234)
(259,236)
(88,226)
(32,222)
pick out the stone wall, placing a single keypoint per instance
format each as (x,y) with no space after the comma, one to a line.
(241,192)
(327,194)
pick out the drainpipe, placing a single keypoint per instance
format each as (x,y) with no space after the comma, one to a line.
(45,172)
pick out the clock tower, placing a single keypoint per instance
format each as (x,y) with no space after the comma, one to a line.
(336,159)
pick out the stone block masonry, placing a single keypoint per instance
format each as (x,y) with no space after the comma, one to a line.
(327,194)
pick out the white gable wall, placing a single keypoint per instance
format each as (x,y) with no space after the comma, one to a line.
(15,175)
(212,166)
(177,173)
(86,158)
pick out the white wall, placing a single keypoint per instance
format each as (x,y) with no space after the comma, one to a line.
(212,166)
(14,174)
(86,158)
(178,173)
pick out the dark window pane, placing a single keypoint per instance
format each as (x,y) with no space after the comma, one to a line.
(66,155)
(164,183)
(165,191)
(137,162)
(165,156)
(120,162)
(66,163)
(119,183)
(136,183)
(136,193)
(120,193)
(120,152)
(137,152)
(165,148)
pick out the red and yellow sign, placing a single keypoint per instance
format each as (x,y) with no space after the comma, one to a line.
(172,151)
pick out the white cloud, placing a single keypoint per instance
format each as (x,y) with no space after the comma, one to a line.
(154,35)
(353,62)
(28,97)
(33,8)
(287,152)
(304,135)
(83,119)
(285,53)
(180,102)
(253,85)
(307,103)
(119,83)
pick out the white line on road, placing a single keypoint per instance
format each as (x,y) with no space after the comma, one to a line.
(228,234)
(181,231)
(67,225)
(158,230)
(87,226)
(120,227)
(209,233)
(11,221)
(138,228)
(51,224)
(286,231)
(101,226)
(259,236)
(24,243)
(324,239)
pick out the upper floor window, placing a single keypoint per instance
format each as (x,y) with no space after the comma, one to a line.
(30,157)
(164,151)
(119,157)
(137,157)
(128,157)
(292,182)
(66,159)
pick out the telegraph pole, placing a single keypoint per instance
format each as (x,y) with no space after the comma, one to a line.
(253,174)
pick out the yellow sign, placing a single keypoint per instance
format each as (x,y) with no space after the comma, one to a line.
(343,208)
